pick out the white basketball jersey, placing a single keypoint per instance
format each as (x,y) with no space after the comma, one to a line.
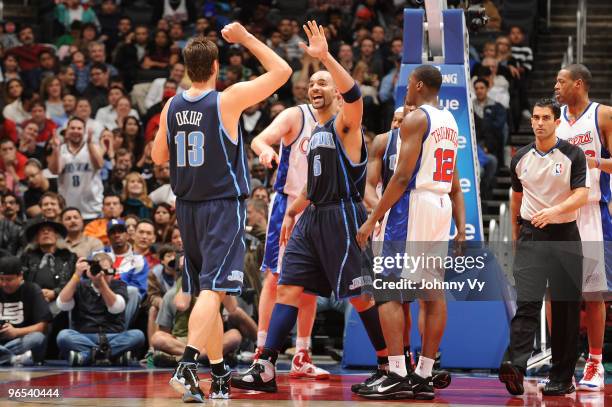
(79,183)
(293,168)
(584,133)
(436,164)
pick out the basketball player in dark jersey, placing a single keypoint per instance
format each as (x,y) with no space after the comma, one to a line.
(322,255)
(200,136)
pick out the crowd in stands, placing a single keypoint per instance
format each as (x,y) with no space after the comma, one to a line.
(91,253)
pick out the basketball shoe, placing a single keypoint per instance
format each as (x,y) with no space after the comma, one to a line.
(261,376)
(593,379)
(422,387)
(220,386)
(374,380)
(302,367)
(186,382)
(393,386)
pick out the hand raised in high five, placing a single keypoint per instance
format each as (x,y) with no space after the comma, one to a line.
(317,43)
(235,33)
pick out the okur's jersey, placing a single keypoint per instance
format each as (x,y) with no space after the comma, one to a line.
(205,163)
(293,168)
(332,176)
(436,163)
(389,158)
(584,133)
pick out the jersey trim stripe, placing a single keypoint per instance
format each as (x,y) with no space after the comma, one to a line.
(244,170)
(167,127)
(339,142)
(223,129)
(187,276)
(193,99)
(310,111)
(346,251)
(417,166)
(604,177)
(214,283)
(229,165)
(388,144)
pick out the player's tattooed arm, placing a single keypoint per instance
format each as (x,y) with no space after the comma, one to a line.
(604,118)
(411,133)
(375,165)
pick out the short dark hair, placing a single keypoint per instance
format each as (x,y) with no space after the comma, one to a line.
(579,71)
(100,66)
(110,195)
(483,81)
(429,75)
(5,140)
(147,221)
(199,56)
(53,195)
(71,208)
(551,104)
(78,119)
(10,193)
(165,249)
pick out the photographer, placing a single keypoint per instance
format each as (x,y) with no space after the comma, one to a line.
(162,279)
(98,316)
(24,315)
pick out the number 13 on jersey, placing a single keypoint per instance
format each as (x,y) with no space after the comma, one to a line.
(445,165)
(190,149)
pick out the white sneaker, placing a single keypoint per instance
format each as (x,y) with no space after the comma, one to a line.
(593,379)
(25,359)
(302,366)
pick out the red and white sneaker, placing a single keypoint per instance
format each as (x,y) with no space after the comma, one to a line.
(257,354)
(593,379)
(302,367)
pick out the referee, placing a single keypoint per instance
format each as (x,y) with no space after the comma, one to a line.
(550,182)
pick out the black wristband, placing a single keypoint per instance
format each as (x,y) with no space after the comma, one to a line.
(353,94)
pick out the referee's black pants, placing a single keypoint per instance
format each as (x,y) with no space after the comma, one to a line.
(550,255)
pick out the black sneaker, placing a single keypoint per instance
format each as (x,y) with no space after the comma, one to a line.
(374,380)
(512,377)
(186,382)
(393,386)
(441,379)
(422,387)
(220,386)
(252,379)
(553,388)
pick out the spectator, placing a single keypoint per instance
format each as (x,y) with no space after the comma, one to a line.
(83,112)
(97,89)
(177,35)
(10,232)
(72,10)
(81,71)
(10,68)
(67,77)
(370,57)
(111,209)
(255,239)
(499,88)
(290,42)
(504,55)
(8,128)
(523,54)
(38,184)
(155,92)
(114,26)
(159,56)
(27,55)
(252,121)
(131,267)
(11,160)
(261,193)
(44,263)
(162,279)
(51,206)
(97,55)
(78,243)
(153,115)
(235,58)
(144,239)
(258,173)
(135,198)
(177,241)
(98,306)
(131,52)
(489,120)
(46,127)
(16,109)
(130,128)
(131,221)
(8,39)
(12,208)
(47,62)
(163,220)
(123,165)
(108,114)
(386,94)
(346,58)
(116,116)
(492,12)
(488,169)
(77,163)
(51,95)
(181,11)
(161,181)
(25,314)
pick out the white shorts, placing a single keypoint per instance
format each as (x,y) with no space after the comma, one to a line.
(591,233)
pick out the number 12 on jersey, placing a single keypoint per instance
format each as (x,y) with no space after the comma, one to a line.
(189,149)
(445,165)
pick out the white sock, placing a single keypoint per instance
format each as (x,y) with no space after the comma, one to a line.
(424,367)
(302,343)
(261,338)
(595,357)
(397,365)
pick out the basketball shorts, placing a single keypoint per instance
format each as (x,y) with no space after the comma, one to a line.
(423,240)
(273,252)
(213,239)
(595,226)
(322,254)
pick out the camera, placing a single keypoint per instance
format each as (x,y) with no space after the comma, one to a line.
(94,267)
(476,18)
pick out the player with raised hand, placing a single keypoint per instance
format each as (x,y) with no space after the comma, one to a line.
(199,135)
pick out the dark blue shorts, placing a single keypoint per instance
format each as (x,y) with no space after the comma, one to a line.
(322,254)
(275,221)
(213,238)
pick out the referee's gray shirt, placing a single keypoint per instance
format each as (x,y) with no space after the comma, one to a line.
(547,179)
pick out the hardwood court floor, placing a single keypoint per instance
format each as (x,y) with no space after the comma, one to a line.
(148,387)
